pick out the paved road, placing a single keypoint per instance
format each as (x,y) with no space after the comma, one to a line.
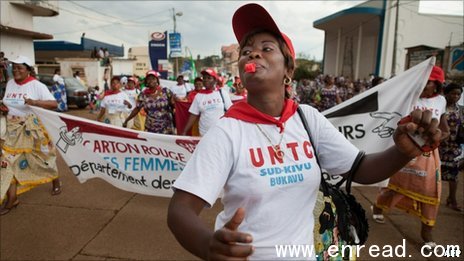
(95,221)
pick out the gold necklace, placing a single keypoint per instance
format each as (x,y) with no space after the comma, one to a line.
(277,151)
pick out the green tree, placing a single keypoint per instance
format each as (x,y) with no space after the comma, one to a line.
(304,67)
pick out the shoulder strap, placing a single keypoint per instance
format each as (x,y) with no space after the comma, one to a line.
(348,178)
(222,97)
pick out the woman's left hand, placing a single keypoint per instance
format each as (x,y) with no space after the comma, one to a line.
(30,102)
(128,104)
(421,125)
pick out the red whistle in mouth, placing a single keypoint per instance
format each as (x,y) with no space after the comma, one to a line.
(250,67)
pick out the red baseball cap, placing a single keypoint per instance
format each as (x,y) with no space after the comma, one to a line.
(154,73)
(210,72)
(135,80)
(253,16)
(437,74)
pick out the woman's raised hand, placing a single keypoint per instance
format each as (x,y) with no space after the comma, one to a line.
(417,133)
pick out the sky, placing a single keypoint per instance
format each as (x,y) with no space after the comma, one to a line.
(205,26)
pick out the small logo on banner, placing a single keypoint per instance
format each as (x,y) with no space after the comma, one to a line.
(189,145)
(68,138)
(388,124)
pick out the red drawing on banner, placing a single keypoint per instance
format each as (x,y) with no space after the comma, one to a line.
(189,145)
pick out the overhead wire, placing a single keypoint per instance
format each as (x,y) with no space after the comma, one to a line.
(119,22)
(93,10)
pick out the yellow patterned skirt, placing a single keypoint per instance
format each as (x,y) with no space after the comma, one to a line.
(415,189)
(138,121)
(28,156)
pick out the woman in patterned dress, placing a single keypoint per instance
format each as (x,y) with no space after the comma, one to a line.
(450,149)
(158,103)
(329,94)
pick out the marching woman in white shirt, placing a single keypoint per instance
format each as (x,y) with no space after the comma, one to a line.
(180,90)
(416,188)
(209,105)
(28,156)
(257,145)
(133,94)
(114,104)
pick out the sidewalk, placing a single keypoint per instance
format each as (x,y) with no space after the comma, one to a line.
(96,221)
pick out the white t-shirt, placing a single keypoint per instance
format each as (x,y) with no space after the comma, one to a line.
(436,104)
(210,107)
(278,197)
(132,95)
(114,103)
(180,90)
(57,78)
(15,94)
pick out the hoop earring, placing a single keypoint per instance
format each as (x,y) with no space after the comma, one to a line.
(287,80)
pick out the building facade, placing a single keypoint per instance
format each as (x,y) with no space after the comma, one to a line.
(230,57)
(370,39)
(16,25)
(141,59)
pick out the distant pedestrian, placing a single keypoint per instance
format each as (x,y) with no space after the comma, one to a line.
(158,103)
(77,75)
(450,149)
(101,53)
(180,90)
(59,91)
(198,86)
(106,57)
(209,104)
(114,104)
(376,81)
(4,75)
(94,100)
(329,94)
(133,95)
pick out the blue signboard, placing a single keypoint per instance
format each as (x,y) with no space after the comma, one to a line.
(158,50)
(175,45)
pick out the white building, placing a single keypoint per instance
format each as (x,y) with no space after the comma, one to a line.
(142,60)
(16,25)
(360,40)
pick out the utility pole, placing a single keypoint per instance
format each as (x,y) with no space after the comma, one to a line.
(174,18)
(174,14)
(393,68)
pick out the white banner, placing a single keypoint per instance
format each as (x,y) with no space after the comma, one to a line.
(369,119)
(141,162)
(149,163)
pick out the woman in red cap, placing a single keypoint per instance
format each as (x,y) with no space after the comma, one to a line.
(133,94)
(416,188)
(158,103)
(114,104)
(209,104)
(240,91)
(260,157)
